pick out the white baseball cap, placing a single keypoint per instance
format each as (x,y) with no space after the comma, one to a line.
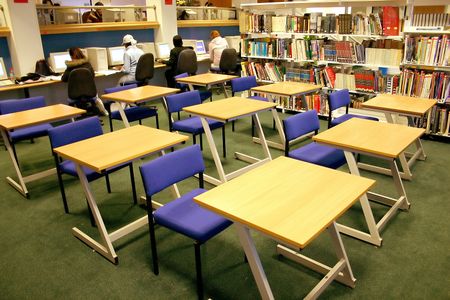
(128,39)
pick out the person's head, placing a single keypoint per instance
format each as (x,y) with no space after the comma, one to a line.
(99,11)
(128,40)
(214,34)
(76,53)
(177,41)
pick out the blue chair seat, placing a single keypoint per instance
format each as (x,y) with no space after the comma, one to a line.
(29,132)
(319,155)
(194,125)
(185,216)
(135,113)
(258,98)
(347,117)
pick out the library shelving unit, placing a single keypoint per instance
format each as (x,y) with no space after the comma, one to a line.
(362,50)
(206,16)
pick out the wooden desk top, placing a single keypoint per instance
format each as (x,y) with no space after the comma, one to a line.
(400,104)
(286,199)
(26,85)
(117,147)
(37,116)
(140,94)
(207,78)
(230,108)
(287,88)
(372,137)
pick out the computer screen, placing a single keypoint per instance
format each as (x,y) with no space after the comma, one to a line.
(190,43)
(163,50)
(98,58)
(115,55)
(3,74)
(147,47)
(233,42)
(200,47)
(58,61)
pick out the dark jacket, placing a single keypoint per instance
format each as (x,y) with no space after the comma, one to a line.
(173,59)
(76,64)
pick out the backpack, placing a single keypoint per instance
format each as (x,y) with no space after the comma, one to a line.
(43,68)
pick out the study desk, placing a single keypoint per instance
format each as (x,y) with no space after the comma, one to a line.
(138,95)
(227,110)
(302,210)
(27,118)
(206,80)
(106,151)
(392,105)
(26,86)
(380,140)
(288,89)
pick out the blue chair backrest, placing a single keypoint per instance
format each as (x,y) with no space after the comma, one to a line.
(181,86)
(175,103)
(301,124)
(339,99)
(75,131)
(15,105)
(243,83)
(171,168)
(120,88)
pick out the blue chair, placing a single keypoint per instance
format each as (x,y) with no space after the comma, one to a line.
(204,94)
(305,123)
(340,99)
(192,125)
(242,84)
(28,133)
(133,113)
(181,215)
(74,132)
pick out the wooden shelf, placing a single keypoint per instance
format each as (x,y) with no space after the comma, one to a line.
(4,31)
(106,26)
(206,23)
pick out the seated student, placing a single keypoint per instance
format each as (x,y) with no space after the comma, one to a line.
(173,60)
(80,61)
(130,59)
(93,16)
(216,47)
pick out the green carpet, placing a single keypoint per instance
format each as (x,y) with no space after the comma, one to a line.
(41,259)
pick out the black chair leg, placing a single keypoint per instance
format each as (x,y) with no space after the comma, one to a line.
(194,139)
(198,267)
(140,122)
(63,193)
(179,116)
(157,121)
(201,142)
(151,227)
(273,125)
(108,184)
(133,184)
(110,123)
(232,126)
(32,141)
(224,145)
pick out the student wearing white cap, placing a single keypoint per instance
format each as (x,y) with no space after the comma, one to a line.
(130,59)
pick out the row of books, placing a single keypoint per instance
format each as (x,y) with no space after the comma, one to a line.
(267,47)
(268,71)
(384,22)
(435,85)
(440,120)
(429,20)
(317,101)
(427,50)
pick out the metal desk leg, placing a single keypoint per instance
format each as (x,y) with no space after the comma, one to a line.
(254,261)
(123,115)
(215,155)
(107,249)
(279,126)
(20,187)
(225,90)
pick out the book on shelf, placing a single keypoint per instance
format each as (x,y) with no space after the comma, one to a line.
(267,47)
(434,85)
(391,20)
(268,71)
(427,50)
(430,20)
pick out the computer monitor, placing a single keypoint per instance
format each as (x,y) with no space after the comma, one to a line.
(189,43)
(3,74)
(67,16)
(97,58)
(147,48)
(200,47)
(57,61)
(115,55)
(233,42)
(162,50)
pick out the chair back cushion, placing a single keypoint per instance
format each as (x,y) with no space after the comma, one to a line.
(15,105)
(243,83)
(301,124)
(120,88)
(187,62)
(171,168)
(339,99)
(145,67)
(175,103)
(75,131)
(228,60)
(81,84)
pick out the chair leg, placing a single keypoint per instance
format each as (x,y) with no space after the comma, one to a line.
(157,120)
(232,125)
(151,227)
(273,125)
(194,139)
(198,267)
(179,116)
(63,193)
(32,141)
(108,184)
(133,184)
(110,123)
(253,127)
(201,142)
(224,145)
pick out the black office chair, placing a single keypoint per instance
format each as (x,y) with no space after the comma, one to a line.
(228,62)
(82,90)
(145,69)
(187,62)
